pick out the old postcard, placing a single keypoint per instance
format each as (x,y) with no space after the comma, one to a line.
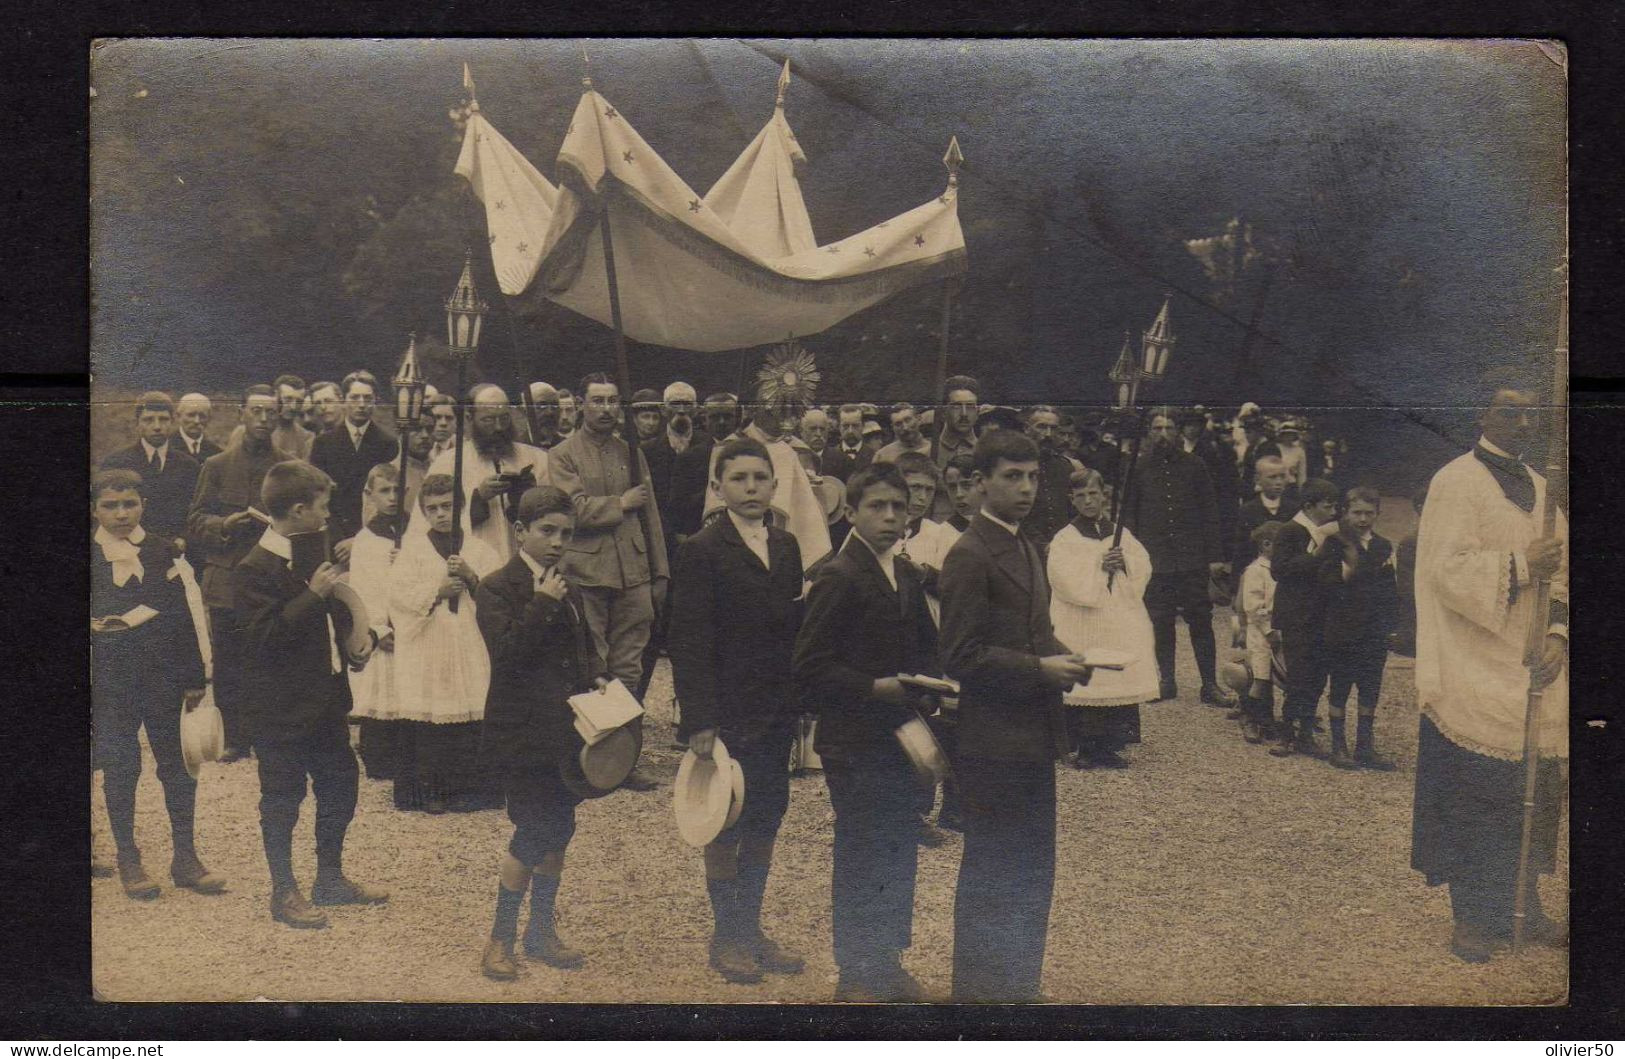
(1096,530)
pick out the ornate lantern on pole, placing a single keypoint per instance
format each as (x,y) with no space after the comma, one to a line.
(409,386)
(465,312)
(1156,343)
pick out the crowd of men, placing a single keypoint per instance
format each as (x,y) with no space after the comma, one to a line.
(769,551)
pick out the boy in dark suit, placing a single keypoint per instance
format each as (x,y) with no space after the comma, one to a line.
(541,654)
(168,472)
(148,670)
(739,585)
(296,714)
(866,622)
(998,643)
(1360,612)
(1304,562)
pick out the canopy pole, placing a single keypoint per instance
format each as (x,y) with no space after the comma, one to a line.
(634,469)
(1539,618)
(457,470)
(528,407)
(942,346)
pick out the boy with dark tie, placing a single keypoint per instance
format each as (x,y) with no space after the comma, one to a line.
(866,623)
(147,670)
(296,715)
(999,644)
(541,654)
(739,585)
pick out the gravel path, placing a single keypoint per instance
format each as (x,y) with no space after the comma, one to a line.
(1207,873)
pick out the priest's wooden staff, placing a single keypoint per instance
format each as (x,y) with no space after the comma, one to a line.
(1539,618)
(1155,345)
(465,312)
(409,385)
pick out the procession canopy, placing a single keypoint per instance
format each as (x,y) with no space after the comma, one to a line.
(735,268)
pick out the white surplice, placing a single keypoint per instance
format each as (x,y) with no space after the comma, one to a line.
(1089,617)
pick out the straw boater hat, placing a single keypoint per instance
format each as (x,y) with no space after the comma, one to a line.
(923,751)
(832,495)
(704,794)
(596,770)
(351,622)
(203,735)
(645,399)
(736,794)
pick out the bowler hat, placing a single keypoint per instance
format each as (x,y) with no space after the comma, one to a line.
(1236,675)
(736,794)
(923,751)
(645,399)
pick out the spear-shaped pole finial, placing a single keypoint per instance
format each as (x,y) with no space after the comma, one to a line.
(784,85)
(586,68)
(953,160)
(468,86)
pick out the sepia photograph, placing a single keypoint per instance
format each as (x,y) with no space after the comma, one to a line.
(818,520)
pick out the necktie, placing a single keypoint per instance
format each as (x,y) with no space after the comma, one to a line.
(1511,475)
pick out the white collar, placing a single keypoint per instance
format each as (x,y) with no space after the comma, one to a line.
(887,559)
(106,539)
(1316,533)
(852,448)
(1012,527)
(191,445)
(1493,449)
(277,544)
(161,451)
(124,555)
(535,567)
(748,528)
(356,432)
(1272,506)
(1262,560)
(678,442)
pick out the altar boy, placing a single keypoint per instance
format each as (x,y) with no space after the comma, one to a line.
(297,714)
(867,622)
(739,585)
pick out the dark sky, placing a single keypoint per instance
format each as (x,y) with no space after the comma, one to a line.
(261,206)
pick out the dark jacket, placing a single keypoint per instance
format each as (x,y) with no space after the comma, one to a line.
(286,648)
(349,466)
(995,628)
(1303,580)
(733,631)
(679,481)
(228,483)
(1252,515)
(838,463)
(162,651)
(205,448)
(857,630)
(1171,509)
(167,495)
(1364,608)
(1052,507)
(541,654)
(1220,461)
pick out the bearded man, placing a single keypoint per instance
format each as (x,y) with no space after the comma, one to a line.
(497,469)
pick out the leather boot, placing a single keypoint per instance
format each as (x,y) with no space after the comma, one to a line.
(1365,748)
(344,891)
(1340,747)
(498,963)
(289,906)
(542,942)
(1218,695)
(134,878)
(190,874)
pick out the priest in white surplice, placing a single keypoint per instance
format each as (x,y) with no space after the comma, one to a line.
(1479,554)
(490,455)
